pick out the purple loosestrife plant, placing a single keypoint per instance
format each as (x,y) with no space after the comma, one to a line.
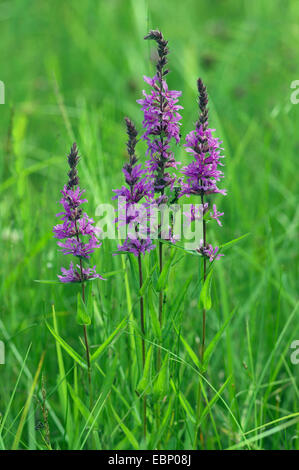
(138,191)
(202,175)
(162,127)
(77,236)
(139,187)
(202,178)
(161,120)
(73,230)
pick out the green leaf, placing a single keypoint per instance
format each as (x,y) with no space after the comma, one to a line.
(215,340)
(3,418)
(205,300)
(173,245)
(144,287)
(180,298)
(184,402)
(215,398)
(189,350)
(26,408)
(177,246)
(264,434)
(78,402)
(112,273)
(157,436)
(46,281)
(71,352)
(161,384)
(162,280)
(154,316)
(124,428)
(235,240)
(98,406)
(83,317)
(106,343)
(175,307)
(62,388)
(90,302)
(88,281)
(146,377)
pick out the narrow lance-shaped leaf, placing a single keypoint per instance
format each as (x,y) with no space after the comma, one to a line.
(188,348)
(26,408)
(184,402)
(124,428)
(146,377)
(83,317)
(205,300)
(106,343)
(165,422)
(235,240)
(71,352)
(164,274)
(146,283)
(214,400)
(215,340)
(161,384)
(154,316)
(79,403)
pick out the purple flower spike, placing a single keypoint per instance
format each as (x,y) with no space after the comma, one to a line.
(161,120)
(157,120)
(196,212)
(136,246)
(209,252)
(76,226)
(215,215)
(139,188)
(203,175)
(73,274)
(75,247)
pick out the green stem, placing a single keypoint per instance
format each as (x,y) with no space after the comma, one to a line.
(160,300)
(87,349)
(143,340)
(161,325)
(85,329)
(202,348)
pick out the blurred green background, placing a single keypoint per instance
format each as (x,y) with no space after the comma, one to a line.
(72,71)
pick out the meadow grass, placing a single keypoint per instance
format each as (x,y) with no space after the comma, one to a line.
(72,71)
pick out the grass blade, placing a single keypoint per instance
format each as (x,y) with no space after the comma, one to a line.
(71,352)
(106,343)
(18,435)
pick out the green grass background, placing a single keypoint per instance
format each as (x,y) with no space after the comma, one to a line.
(72,71)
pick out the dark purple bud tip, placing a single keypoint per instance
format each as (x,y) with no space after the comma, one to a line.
(73,160)
(132,141)
(163,50)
